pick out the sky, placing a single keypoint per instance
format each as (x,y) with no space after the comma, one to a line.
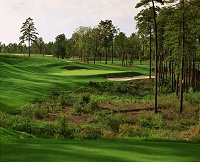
(54,17)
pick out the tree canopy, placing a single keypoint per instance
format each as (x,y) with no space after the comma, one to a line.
(29,33)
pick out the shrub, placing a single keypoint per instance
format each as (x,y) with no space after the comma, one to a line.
(85,99)
(192,97)
(128,130)
(44,129)
(108,134)
(151,121)
(112,121)
(35,112)
(38,100)
(63,129)
(85,105)
(89,132)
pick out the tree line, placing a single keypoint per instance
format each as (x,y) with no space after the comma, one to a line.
(104,42)
(171,35)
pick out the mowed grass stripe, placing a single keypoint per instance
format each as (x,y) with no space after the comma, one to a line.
(98,150)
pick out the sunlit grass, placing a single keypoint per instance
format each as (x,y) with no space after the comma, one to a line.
(99,150)
(22,78)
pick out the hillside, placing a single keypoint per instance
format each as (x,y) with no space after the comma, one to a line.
(23,79)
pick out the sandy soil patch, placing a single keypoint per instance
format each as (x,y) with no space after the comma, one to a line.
(130,78)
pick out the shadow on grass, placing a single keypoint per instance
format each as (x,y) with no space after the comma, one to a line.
(99,150)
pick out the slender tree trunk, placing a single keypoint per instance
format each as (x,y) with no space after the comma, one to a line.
(181,86)
(177,85)
(150,55)
(194,72)
(123,59)
(112,51)
(156,60)
(190,74)
(106,59)
(29,47)
(183,60)
(172,76)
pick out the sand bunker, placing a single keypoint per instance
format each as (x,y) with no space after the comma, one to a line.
(130,78)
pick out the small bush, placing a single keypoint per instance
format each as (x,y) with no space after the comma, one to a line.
(85,99)
(128,130)
(151,121)
(38,100)
(35,112)
(112,121)
(108,134)
(192,97)
(63,130)
(89,132)
(85,105)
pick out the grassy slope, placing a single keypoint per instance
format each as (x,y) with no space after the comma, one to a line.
(45,150)
(14,147)
(24,79)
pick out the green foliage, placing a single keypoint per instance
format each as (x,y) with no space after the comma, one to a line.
(192,97)
(85,105)
(112,121)
(63,130)
(89,132)
(59,46)
(129,130)
(28,31)
(35,112)
(151,121)
(26,124)
(136,88)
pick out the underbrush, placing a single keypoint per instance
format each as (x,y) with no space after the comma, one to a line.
(84,115)
(137,89)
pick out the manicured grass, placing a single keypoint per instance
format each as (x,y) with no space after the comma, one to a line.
(23,79)
(48,150)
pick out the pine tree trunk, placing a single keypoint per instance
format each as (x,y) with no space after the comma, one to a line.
(150,55)
(172,76)
(156,59)
(177,85)
(183,60)
(29,47)
(181,86)
(112,51)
